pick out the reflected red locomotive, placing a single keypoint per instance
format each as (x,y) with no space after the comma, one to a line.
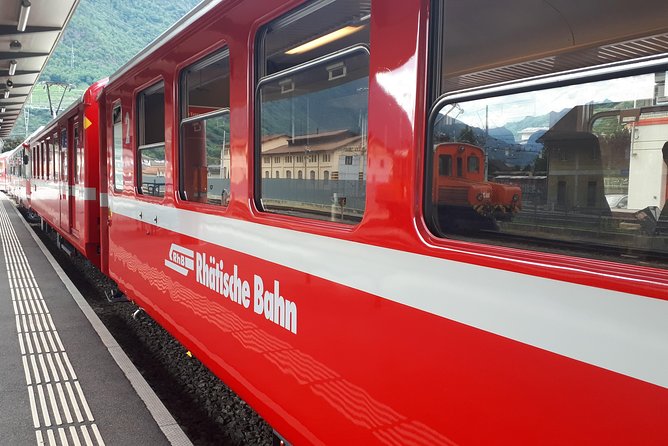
(464,198)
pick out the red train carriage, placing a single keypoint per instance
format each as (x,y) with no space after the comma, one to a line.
(361,325)
(14,171)
(65,177)
(4,167)
(264,165)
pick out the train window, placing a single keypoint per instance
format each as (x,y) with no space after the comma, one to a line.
(578,169)
(63,155)
(577,165)
(35,161)
(47,159)
(151,141)
(117,136)
(312,100)
(473,164)
(445,165)
(205,131)
(27,166)
(55,155)
(77,158)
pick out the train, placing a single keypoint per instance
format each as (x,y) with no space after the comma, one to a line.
(12,175)
(463,196)
(262,181)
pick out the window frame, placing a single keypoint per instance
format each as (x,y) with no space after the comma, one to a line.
(55,151)
(114,186)
(200,63)
(140,135)
(590,74)
(261,81)
(76,134)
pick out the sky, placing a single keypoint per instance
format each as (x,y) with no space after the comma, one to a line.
(505,109)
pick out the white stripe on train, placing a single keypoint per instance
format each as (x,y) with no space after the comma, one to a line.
(617,331)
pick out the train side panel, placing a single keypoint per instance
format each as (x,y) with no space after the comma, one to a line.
(65,192)
(375,333)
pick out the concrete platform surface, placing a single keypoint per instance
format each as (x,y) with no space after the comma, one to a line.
(63,378)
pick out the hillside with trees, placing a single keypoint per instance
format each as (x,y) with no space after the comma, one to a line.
(101,36)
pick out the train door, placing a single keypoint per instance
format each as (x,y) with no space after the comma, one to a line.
(78,197)
(63,181)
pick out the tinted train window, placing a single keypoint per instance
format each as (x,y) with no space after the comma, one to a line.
(118,148)
(77,159)
(63,155)
(151,141)
(47,159)
(312,101)
(205,131)
(55,156)
(575,166)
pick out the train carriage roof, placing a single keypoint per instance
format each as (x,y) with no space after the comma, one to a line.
(24,50)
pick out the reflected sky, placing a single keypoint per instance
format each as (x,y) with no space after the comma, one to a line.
(504,109)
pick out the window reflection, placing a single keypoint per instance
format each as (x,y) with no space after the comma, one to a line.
(317,128)
(584,165)
(205,131)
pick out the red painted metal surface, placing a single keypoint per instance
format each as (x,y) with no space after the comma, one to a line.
(360,369)
(70,203)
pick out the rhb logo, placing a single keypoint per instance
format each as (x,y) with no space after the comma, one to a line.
(181,260)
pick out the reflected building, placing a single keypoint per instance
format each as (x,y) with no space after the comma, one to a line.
(575,169)
(333,155)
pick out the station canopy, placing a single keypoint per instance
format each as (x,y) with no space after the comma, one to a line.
(29,32)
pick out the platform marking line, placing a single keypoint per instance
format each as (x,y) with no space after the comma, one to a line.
(45,371)
(29,343)
(52,438)
(51,342)
(33,407)
(61,367)
(43,356)
(63,403)
(52,367)
(25,370)
(22,345)
(37,322)
(74,436)
(63,437)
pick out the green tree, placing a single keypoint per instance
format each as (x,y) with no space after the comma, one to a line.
(467,135)
(11,143)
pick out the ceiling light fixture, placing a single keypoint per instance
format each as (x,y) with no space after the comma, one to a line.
(2,110)
(23,15)
(12,67)
(324,40)
(15,45)
(6,94)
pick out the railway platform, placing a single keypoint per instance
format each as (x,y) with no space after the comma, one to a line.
(63,378)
